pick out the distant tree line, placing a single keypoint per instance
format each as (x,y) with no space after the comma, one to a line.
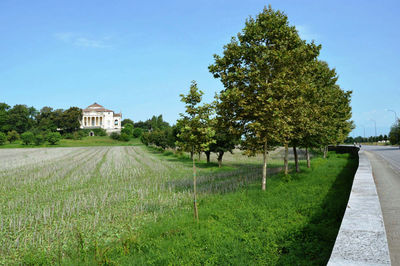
(37,126)
(359,139)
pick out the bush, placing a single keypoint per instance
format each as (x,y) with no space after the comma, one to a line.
(137,132)
(68,136)
(76,135)
(12,136)
(128,129)
(53,137)
(27,137)
(114,135)
(145,138)
(3,138)
(124,137)
(39,139)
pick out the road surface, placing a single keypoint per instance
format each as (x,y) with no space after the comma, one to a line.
(385,161)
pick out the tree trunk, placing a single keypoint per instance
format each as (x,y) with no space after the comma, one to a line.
(264,176)
(208,153)
(199,156)
(308,158)
(325,151)
(286,158)
(191,155)
(296,159)
(196,214)
(220,155)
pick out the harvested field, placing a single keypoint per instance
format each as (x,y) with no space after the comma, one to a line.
(54,201)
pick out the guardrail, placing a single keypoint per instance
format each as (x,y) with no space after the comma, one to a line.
(362,238)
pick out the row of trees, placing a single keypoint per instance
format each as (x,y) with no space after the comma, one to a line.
(22,118)
(276,93)
(359,139)
(29,137)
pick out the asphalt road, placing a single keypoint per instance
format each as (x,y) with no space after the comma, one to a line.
(385,161)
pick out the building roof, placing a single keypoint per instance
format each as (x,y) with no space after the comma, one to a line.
(96,108)
(95,105)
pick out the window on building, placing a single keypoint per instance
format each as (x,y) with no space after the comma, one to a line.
(116,122)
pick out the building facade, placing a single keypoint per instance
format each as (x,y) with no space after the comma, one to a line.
(96,116)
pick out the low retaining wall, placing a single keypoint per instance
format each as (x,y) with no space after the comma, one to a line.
(362,238)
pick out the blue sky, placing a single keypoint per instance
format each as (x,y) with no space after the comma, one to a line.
(138,56)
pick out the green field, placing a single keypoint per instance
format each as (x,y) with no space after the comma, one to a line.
(133,205)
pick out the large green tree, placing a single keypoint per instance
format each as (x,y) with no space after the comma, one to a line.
(196,133)
(71,119)
(259,71)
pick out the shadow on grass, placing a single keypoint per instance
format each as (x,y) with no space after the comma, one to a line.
(315,241)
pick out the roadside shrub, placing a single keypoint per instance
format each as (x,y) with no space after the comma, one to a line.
(39,139)
(124,137)
(137,132)
(3,138)
(27,137)
(53,137)
(114,135)
(12,136)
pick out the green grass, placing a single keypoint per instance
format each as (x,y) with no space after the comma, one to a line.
(84,142)
(294,222)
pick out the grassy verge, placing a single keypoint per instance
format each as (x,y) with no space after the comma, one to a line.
(294,222)
(84,142)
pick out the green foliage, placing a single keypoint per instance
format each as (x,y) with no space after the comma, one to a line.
(115,135)
(71,119)
(128,130)
(137,132)
(124,137)
(53,137)
(196,132)
(39,139)
(27,138)
(96,131)
(126,121)
(145,138)
(394,135)
(3,138)
(12,136)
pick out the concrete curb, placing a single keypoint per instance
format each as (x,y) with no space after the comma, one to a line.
(362,238)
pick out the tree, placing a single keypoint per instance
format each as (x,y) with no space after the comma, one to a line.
(196,133)
(4,117)
(394,134)
(258,70)
(128,130)
(53,137)
(20,118)
(126,121)
(12,136)
(27,137)
(39,139)
(225,139)
(3,138)
(137,132)
(71,119)
(46,119)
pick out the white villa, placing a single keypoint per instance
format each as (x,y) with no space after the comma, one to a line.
(96,116)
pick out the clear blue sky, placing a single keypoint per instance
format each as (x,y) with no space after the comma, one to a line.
(138,56)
